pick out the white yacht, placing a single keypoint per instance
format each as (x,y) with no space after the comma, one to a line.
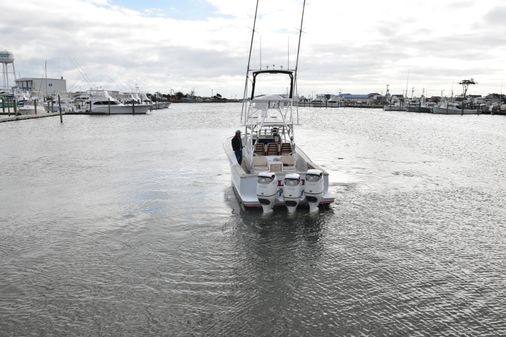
(274,170)
(453,108)
(100,102)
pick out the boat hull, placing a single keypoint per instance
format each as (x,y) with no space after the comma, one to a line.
(454,111)
(119,109)
(31,109)
(245,184)
(160,105)
(394,108)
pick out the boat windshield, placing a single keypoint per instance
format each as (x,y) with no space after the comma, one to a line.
(105,103)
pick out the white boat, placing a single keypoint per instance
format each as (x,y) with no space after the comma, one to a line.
(394,107)
(274,170)
(453,108)
(157,105)
(100,102)
(30,105)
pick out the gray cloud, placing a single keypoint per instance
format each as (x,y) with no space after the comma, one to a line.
(496,16)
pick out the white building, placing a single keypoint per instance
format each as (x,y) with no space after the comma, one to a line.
(46,86)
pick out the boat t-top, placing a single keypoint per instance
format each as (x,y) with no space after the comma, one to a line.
(274,170)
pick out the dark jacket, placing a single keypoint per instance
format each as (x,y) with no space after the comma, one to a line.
(237,143)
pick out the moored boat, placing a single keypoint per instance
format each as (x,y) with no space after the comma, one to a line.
(100,102)
(452,108)
(30,105)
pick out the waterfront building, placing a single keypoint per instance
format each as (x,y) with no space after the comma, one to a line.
(46,86)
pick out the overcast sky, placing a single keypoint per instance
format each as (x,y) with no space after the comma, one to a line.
(356,46)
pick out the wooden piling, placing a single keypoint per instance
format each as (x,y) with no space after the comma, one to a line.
(109,105)
(59,108)
(133,107)
(35,105)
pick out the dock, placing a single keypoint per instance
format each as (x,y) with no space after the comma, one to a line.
(13,118)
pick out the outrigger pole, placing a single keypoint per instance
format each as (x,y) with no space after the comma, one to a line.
(297,59)
(243,119)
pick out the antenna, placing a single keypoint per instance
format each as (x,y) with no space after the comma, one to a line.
(407,84)
(260,52)
(298,46)
(249,60)
(297,59)
(288,52)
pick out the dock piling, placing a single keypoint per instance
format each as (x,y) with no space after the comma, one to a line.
(59,108)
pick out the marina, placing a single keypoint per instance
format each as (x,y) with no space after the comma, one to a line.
(339,186)
(105,228)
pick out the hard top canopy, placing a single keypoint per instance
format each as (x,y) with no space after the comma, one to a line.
(272,71)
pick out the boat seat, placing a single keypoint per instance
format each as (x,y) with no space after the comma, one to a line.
(276,167)
(286,148)
(272,149)
(259,149)
(260,163)
(287,160)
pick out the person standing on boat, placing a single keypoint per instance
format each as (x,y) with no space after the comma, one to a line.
(237,146)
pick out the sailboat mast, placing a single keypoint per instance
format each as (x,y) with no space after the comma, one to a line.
(45,75)
(243,117)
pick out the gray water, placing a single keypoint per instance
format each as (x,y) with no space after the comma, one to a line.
(128,226)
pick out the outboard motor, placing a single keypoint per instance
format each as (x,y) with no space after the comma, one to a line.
(292,191)
(267,189)
(314,189)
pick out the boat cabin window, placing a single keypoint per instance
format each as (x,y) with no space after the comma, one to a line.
(292,182)
(105,103)
(265,180)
